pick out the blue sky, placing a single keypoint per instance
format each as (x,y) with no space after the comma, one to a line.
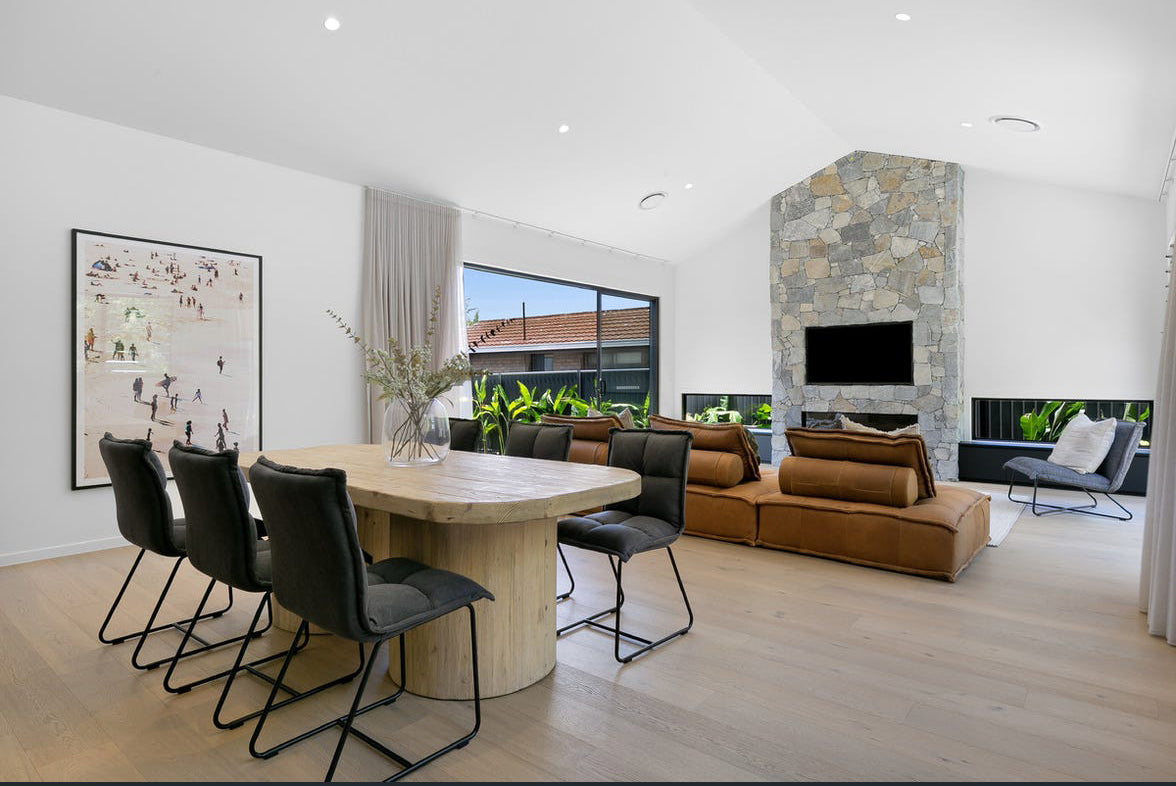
(498,296)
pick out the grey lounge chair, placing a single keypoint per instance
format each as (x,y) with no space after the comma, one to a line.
(144,514)
(465,435)
(224,543)
(1106,480)
(651,521)
(319,574)
(539,440)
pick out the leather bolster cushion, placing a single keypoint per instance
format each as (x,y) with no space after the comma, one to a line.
(591,429)
(850,481)
(837,444)
(584,451)
(715,468)
(725,437)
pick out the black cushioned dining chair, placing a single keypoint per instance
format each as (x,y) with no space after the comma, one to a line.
(650,521)
(144,513)
(319,574)
(224,542)
(465,435)
(539,440)
(1105,480)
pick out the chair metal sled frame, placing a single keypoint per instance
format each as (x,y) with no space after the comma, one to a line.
(1047,509)
(346,722)
(615,629)
(301,639)
(151,627)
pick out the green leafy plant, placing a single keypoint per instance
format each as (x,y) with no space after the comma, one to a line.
(717,414)
(1049,424)
(495,410)
(1131,414)
(761,416)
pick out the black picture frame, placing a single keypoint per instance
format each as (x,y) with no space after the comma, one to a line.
(148,284)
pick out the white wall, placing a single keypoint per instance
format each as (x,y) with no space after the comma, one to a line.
(1063,291)
(493,243)
(723,325)
(59,171)
(1170,214)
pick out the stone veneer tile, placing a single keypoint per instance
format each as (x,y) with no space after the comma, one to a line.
(872,238)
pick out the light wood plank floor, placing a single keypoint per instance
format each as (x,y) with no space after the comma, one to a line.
(1035,665)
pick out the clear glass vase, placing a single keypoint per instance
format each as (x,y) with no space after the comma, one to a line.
(415,436)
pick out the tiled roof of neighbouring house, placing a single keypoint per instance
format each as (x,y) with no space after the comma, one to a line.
(575,328)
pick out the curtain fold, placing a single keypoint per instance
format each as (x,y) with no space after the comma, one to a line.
(1157,581)
(410,248)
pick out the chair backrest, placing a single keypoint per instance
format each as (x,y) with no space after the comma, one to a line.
(318,568)
(141,503)
(464,434)
(662,460)
(1114,467)
(221,535)
(539,440)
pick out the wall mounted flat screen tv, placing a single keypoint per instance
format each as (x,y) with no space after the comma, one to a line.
(875,354)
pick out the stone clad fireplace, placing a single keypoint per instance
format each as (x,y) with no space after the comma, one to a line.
(871,238)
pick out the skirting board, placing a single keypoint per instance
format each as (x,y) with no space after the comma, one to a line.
(64,550)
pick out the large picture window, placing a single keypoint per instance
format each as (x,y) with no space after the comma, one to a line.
(550,334)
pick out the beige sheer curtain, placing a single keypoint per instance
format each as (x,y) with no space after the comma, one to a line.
(1157,584)
(410,248)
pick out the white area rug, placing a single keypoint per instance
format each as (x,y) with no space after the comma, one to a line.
(1003,513)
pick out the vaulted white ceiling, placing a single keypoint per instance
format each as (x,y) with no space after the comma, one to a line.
(461,100)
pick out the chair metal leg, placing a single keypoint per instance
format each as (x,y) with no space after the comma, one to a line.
(616,629)
(238,667)
(1045,509)
(271,705)
(252,633)
(166,626)
(205,645)
(571,578)
(347,722)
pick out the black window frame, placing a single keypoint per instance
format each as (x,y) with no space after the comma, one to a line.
(601,293)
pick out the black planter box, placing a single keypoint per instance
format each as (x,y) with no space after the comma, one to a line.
(982,461)
(763,443)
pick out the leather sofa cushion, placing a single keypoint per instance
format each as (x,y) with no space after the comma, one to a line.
(728,514)
(725,437)
(586,451)
(715,468)
(592,429)
(935,537)
(838,445)
(852,481)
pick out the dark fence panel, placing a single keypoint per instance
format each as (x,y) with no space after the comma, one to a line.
(1000,418)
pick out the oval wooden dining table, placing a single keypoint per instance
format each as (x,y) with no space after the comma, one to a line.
(491,518)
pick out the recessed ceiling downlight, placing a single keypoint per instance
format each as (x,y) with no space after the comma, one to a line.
(1017,124)
(903,17)
(331,23)
(650,201)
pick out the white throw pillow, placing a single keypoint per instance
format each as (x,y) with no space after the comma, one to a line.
(1084,444)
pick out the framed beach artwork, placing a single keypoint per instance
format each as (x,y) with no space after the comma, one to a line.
(166,345)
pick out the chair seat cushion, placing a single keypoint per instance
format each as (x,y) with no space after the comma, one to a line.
(616,532)
(403,593)
(1041,470)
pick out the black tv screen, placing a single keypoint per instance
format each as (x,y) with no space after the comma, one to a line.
(874,354)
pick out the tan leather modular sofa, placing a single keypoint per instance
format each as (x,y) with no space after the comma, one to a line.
(861,498)
(871,500)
